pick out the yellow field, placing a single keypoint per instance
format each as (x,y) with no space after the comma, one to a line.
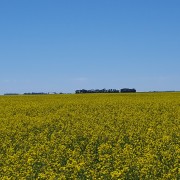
(92,136)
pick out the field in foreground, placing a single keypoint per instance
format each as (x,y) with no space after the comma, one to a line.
(93,136)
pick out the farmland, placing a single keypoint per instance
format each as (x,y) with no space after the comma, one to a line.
(90,136)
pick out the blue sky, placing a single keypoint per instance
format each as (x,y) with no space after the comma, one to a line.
(60,45)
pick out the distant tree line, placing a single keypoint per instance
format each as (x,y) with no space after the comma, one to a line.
(41,93)
(125,90)
(11,94)
(82,91)
(34,93)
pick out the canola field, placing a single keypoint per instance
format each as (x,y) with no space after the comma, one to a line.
(90,136)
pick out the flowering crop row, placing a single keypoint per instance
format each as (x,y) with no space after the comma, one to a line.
(90,136)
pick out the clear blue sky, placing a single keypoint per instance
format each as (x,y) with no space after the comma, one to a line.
(64,45)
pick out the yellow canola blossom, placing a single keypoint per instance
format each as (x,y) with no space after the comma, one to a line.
(90,136)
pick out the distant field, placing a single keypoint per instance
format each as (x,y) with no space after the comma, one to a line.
(90,136)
